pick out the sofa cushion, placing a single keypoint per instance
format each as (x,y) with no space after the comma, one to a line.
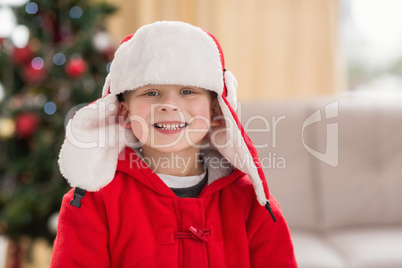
(314,251)
(365,187)
(369,247)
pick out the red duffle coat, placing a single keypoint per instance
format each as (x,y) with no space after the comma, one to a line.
(137,221)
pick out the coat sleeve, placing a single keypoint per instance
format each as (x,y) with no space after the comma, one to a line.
(271,244)
(82,233)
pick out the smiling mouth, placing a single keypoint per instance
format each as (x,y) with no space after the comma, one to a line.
(170,126)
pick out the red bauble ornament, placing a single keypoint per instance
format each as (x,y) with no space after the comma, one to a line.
(108,54)
(26,124)
(21,56)
(76,67)
(32,75)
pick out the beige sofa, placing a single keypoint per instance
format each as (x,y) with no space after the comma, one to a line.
(337,174)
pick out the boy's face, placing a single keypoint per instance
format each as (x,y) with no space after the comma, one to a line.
(169,118)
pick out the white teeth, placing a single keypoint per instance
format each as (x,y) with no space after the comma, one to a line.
(170,127)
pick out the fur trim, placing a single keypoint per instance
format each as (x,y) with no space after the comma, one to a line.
(231,86)
(106,87)
(170,53)
(94,138)
(234,148)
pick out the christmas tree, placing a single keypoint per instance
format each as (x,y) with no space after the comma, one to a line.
(56,58)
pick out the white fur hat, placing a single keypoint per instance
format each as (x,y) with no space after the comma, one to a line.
(161,53)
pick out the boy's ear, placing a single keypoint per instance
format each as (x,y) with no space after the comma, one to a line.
(216,114)
(123,112)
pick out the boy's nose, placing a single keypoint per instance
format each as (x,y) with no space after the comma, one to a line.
(167,102)
(166,107)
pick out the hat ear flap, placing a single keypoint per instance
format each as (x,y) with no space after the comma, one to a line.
(231,86)
(94,139)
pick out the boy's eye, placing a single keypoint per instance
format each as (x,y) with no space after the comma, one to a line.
(187,92)
(152,93)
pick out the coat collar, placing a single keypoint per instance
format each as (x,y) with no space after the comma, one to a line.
(131,163)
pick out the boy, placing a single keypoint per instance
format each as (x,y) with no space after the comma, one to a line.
(164,174)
